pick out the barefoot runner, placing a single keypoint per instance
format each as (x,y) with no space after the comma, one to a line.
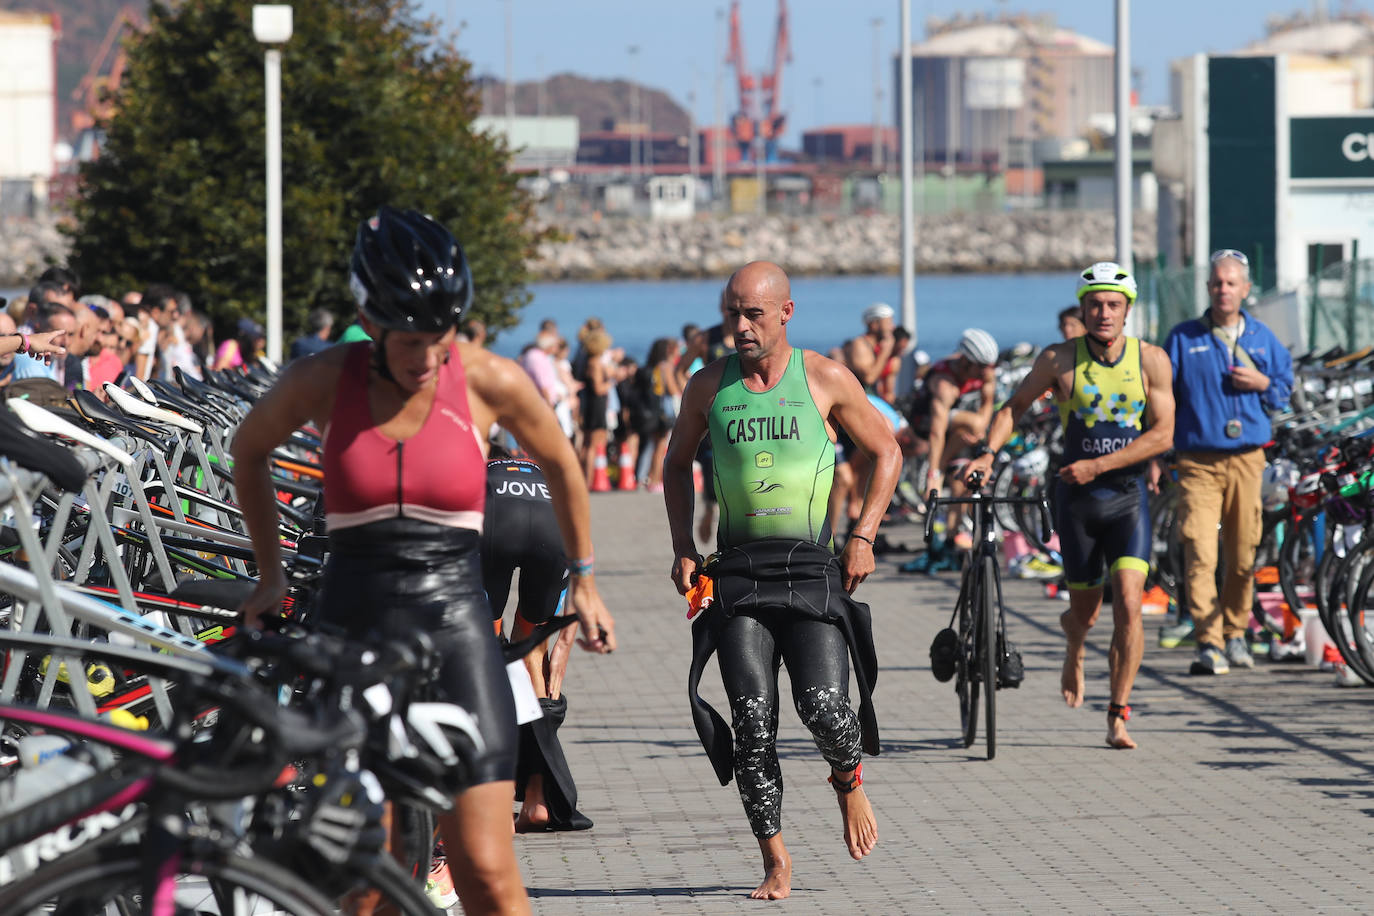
(781,593)
(1116,401)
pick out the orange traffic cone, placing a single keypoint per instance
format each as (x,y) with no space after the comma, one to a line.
(627,470)
(601,481)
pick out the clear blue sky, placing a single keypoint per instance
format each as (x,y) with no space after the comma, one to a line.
(830,79)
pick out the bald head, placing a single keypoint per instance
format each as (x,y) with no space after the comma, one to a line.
(760,280)
(755,308)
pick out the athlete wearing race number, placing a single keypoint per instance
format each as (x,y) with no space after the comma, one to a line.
(403,417)
(1116,401)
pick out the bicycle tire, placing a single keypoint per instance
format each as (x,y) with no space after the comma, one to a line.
(987,650)
(1355,612)
(414,843)
(1336,582)
(965,683)
(398,891)
(1297,561)
(108,882)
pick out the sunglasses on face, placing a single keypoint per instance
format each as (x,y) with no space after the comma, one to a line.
(1223,253)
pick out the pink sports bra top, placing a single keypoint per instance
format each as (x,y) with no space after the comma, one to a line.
(437,475)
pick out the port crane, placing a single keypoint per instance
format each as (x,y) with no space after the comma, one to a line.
(95,93)
(760,114)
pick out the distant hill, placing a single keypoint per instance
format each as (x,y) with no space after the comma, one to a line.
(594,102)
(84,25)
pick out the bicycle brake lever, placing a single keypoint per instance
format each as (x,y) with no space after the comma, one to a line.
(930,513)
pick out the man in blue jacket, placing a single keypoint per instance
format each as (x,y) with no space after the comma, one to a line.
(1230,371)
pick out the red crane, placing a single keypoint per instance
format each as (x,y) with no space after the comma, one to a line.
(102,80)
(748,121)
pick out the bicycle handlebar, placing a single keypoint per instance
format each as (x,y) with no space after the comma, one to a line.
(934,499)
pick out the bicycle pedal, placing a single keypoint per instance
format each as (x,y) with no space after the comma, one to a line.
(944,654)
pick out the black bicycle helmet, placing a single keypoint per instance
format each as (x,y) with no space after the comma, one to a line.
(408,273)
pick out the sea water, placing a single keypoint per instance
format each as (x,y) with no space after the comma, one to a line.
(1011,307)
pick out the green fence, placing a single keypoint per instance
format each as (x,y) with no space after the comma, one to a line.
(1340,306)
(1167,296)
(1332,308)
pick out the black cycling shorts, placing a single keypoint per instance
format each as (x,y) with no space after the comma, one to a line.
(1102,523)
(521,532)
(390,578)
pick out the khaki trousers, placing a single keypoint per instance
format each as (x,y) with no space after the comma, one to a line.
(1220,488)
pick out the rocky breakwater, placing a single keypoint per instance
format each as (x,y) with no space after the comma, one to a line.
(1015,241)
(26,248)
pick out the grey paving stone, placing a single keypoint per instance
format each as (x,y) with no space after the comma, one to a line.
(1250,793)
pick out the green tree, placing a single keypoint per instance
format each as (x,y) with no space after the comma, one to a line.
(374,110)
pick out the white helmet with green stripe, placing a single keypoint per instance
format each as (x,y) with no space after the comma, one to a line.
(1107,276)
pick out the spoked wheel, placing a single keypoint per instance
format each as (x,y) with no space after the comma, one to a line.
(987,646)
(110,883)
(965,673)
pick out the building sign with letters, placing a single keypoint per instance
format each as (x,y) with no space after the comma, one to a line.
(1334,147)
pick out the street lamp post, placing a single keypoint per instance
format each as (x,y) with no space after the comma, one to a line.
(272,27)
(634,114)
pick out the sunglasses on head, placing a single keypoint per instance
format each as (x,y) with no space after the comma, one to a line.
(1223,253)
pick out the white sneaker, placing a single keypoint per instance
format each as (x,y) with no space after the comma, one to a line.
(1346,677)
(1287,650)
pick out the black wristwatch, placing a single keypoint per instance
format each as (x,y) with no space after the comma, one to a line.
(981,449)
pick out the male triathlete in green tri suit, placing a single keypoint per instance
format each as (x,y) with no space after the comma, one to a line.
(781,593)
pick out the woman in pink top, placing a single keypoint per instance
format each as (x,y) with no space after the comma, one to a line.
(405,417)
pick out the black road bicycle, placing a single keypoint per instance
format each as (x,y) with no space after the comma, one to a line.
(974,650)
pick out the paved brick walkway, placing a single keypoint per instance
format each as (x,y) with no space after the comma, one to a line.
(1250,793)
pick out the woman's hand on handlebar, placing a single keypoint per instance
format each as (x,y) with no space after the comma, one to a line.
(266,598)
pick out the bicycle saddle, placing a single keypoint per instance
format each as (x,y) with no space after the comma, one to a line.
(222,593)
(33,453)
(198,390)
(42,420)
(167,396)
(139,408)
(93,411)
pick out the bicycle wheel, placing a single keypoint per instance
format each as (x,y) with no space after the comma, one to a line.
(1298,558)
(108,882)
(1357,619)
(413,826)
(987,653)
(965,674)
(390,890)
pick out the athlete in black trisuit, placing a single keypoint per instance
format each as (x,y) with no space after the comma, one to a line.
(404,493)
(782,595)
(521,532)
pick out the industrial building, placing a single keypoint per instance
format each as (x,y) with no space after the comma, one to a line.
(1273,154)
(28,109)
(536,142)
(979,83)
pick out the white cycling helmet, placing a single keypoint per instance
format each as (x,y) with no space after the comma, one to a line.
(979,346)
(1107,276)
